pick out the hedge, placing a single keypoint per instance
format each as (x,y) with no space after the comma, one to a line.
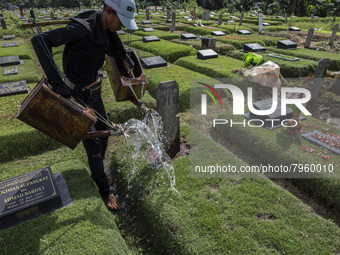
(313,55)
(288,69)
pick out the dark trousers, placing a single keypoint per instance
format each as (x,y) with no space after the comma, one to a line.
(95,148)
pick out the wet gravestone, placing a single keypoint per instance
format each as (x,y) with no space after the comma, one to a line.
(11,71)
(148,29)
(188,36)
(12,44)
(253,47)
(151,38)
(173,21)
(9,61)
(147,13)
(309,37)
(286,44)
(217,33)
(241,19)
(335,30)
(269,121)
(13,88)
(167,97)
(327,141)
(220,19)
(260,22)
(206,54)
(26,196)
(153,62)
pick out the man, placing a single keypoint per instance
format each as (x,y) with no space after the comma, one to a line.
(87,40)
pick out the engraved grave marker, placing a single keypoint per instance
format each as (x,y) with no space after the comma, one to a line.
(9,61)
(12,88)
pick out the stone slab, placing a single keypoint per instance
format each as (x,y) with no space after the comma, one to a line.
(294,29)
(253,47)
(266,24)
(146,22)
(286,44)
(8,37)
(9,61)
(11,71)
(243,32)
(206,54)
(121,32)
(12,44)
(148,29)
(26,196)
(188,36)
(153,62)
(323,140)
(151,38)
(217,33)
(13,88)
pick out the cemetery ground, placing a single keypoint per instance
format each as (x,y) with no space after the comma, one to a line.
(212,215)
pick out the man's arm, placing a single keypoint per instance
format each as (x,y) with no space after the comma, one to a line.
(43,43)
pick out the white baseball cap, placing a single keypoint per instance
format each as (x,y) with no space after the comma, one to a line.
(126,12)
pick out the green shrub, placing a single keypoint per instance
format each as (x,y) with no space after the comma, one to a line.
(169,51)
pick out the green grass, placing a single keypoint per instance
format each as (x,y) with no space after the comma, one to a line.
(288,69)
(220,67)
(169,51)
(160,34)
(221,216)
(23,50)
(313,55)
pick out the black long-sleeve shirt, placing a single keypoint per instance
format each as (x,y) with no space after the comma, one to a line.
(86,43)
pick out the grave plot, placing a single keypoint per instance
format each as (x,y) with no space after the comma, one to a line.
(221,48)
(332,143)
(288,69)
(239,40)
(169,51)
(195,224)
(312,55)
(27,71)
(233,28)
(220,67)
(130,38)
(22,50)
(160,34)
(204,30)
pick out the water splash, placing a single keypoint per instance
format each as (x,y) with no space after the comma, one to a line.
(149,132)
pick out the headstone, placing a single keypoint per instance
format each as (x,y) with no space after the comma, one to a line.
(217,33)
(335,30)
(8,37)
(294,29)
(11,71)
(286,44)
(26,196)
(167,98)
(13,88)
(168,14)
(147,13)
(148,29)
(320,73)
(146,22)
(253,15)
(266,24)
(173,21)
(253,47)
(151,38)
(9,61)
(311,18)
(274,119)
(206,54)
(336,87)
(153,62)
(333,19)
(12,44)
(279,17)
(52,16)
(286,18)
(309,37)
(260,22)
(188,36)
(220,19)
(327,141)
(241,19)
(208,42)
(243,32)
(283,57)
(206,15)
(21,11)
